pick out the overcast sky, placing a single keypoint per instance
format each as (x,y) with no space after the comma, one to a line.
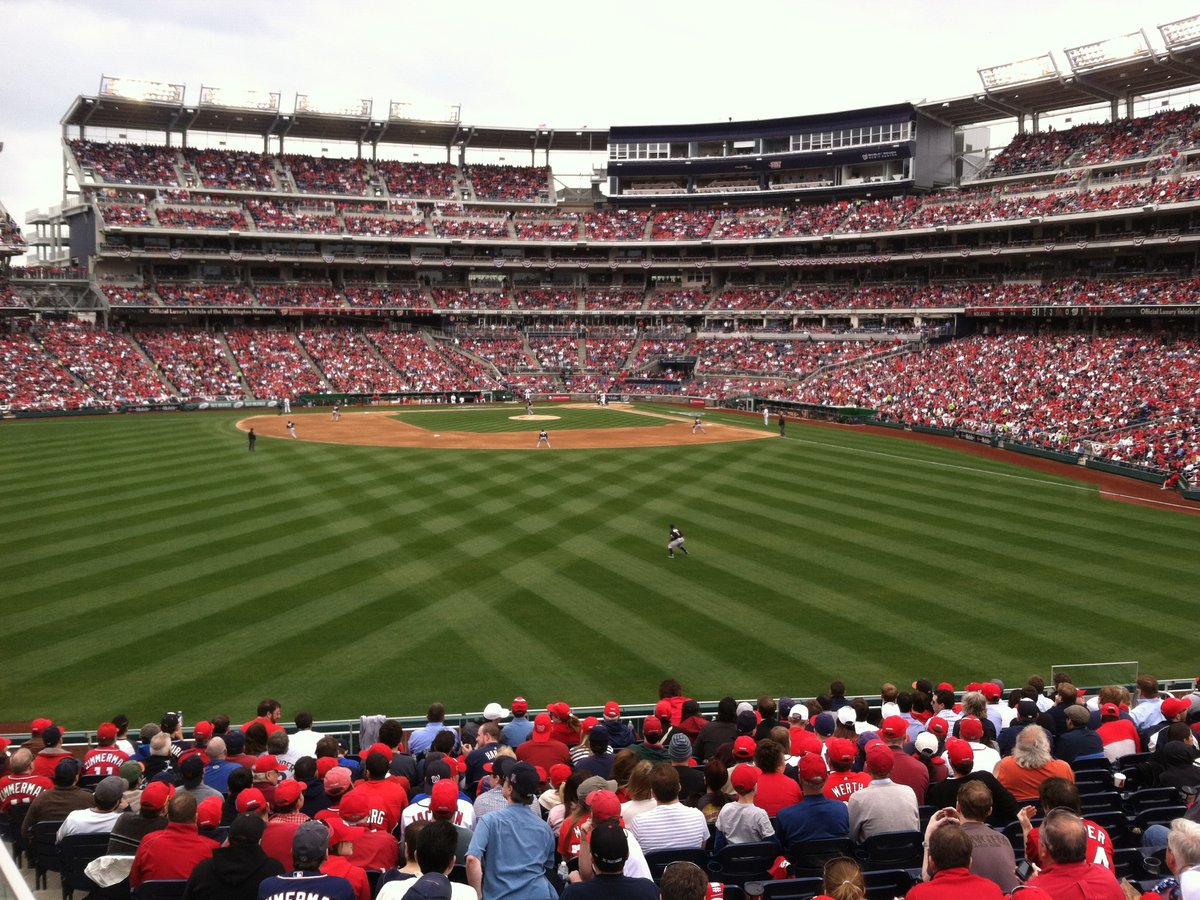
(565,63)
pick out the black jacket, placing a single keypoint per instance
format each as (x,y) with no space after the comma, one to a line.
(232,873)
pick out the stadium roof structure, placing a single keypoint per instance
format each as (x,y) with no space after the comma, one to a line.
(1089,81)
(177,117)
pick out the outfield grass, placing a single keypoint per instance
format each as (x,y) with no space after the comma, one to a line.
(486,419)
(151,563)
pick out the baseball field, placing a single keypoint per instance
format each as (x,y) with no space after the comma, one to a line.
(151,563)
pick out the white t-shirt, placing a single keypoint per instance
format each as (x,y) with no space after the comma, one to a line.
(395,889)
(87,821)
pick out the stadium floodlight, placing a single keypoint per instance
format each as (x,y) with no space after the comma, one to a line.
(403,109)
(1111,50)
(1035,68)
(359,109)
(267,101)
(137,89)
(1181,32)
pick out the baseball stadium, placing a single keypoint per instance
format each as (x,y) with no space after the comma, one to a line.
(786,411)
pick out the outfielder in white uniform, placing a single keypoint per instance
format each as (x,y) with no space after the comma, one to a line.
(698,425)
(543,438)
(287,406)
(766,417)
(675,543)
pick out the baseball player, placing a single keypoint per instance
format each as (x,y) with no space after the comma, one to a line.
(698,425)
(287,405)
(782,425)
(291,427)
(336,416)
(543,438)
(675,543)
(528,407)
(766,416)
(253,437)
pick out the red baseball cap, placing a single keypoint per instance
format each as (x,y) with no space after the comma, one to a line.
(841,750)
(612,709)
(945,686)
(662,709)
(893,727)
(812,769)
(326,764)
(39,725)
(880,759)
(588,724)
(559,772)
(1110,711)
(970,728)
(652,725)
(251,800)
(4,742)
(287,792)
(208,813)
(560,709)
(156,795)
(203,728)
(520,705)
(541,728)
(604,805)
(938,727)
(1173,706)
(958,751)
(990,690)
(744,778)
(268,763)
(106,731)
(355,805)
(744,747)
(339,831)
(804,742)
(378,748)
(337,781)
(444,796)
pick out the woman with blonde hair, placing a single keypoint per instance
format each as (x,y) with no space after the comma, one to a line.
(843,880)
(640,797)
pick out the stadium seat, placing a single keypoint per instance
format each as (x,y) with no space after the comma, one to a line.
(738,863)
(75,851)
(164,889)
(1104,801)
(43,848)
(16,816)
(885,884)
(1130,862)
(811,856)
(1148,798)
(1093,780)
(1157,815)
(658,860)
(892,850)
(785,889)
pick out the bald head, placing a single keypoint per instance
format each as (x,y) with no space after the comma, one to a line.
(216,748)
(21,761)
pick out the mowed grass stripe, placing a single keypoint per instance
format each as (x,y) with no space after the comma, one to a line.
(491,421)
(416,551)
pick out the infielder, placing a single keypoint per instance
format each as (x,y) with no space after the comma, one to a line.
(675,543)
(529,407)
(287,405)
(336,416)
(698,425)
(766,416)
(291,427)
(543,438)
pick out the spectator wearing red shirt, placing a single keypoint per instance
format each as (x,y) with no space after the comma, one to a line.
(947,864)
(269,713)
(542,749)
(775,789)
(1062,845)
(842,782)
(907,770)
(172,853)
(386,797)
(51,754)
(342,838)
(1058,793)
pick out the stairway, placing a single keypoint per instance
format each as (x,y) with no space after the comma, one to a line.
(154,367)
(233,365)
(312,362)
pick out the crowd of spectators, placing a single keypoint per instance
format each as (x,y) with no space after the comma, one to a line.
(387,226)
(1168,442)
(212,219)
(470,227)
(128,295)
(609,353)
(792,359)
(193,361)
(508,354)
(127,163)
(349,362)
(509,184)
(321,175)
(125,214)
(273,363)
(306,296)
(107,362)
(415,179)
(677,299)
(386,298)
(744,298)
(280,215)
(544,299)
(654,347)
(747,224)
(32,378)
(422,367)
(10,232)
(560,227)
(619,225)
(682,224)
(878,215)
(457,298)
(232,169)
(185,294)
(555,351)
(613,299)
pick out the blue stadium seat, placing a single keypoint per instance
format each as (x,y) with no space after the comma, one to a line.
(892,850)
(658,860)
(738,863)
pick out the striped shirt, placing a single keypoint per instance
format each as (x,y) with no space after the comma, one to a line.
(670,825)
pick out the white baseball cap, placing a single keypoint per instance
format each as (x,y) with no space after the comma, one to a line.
(494,711)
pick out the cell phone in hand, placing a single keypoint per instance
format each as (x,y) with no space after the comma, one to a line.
(1024,870)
